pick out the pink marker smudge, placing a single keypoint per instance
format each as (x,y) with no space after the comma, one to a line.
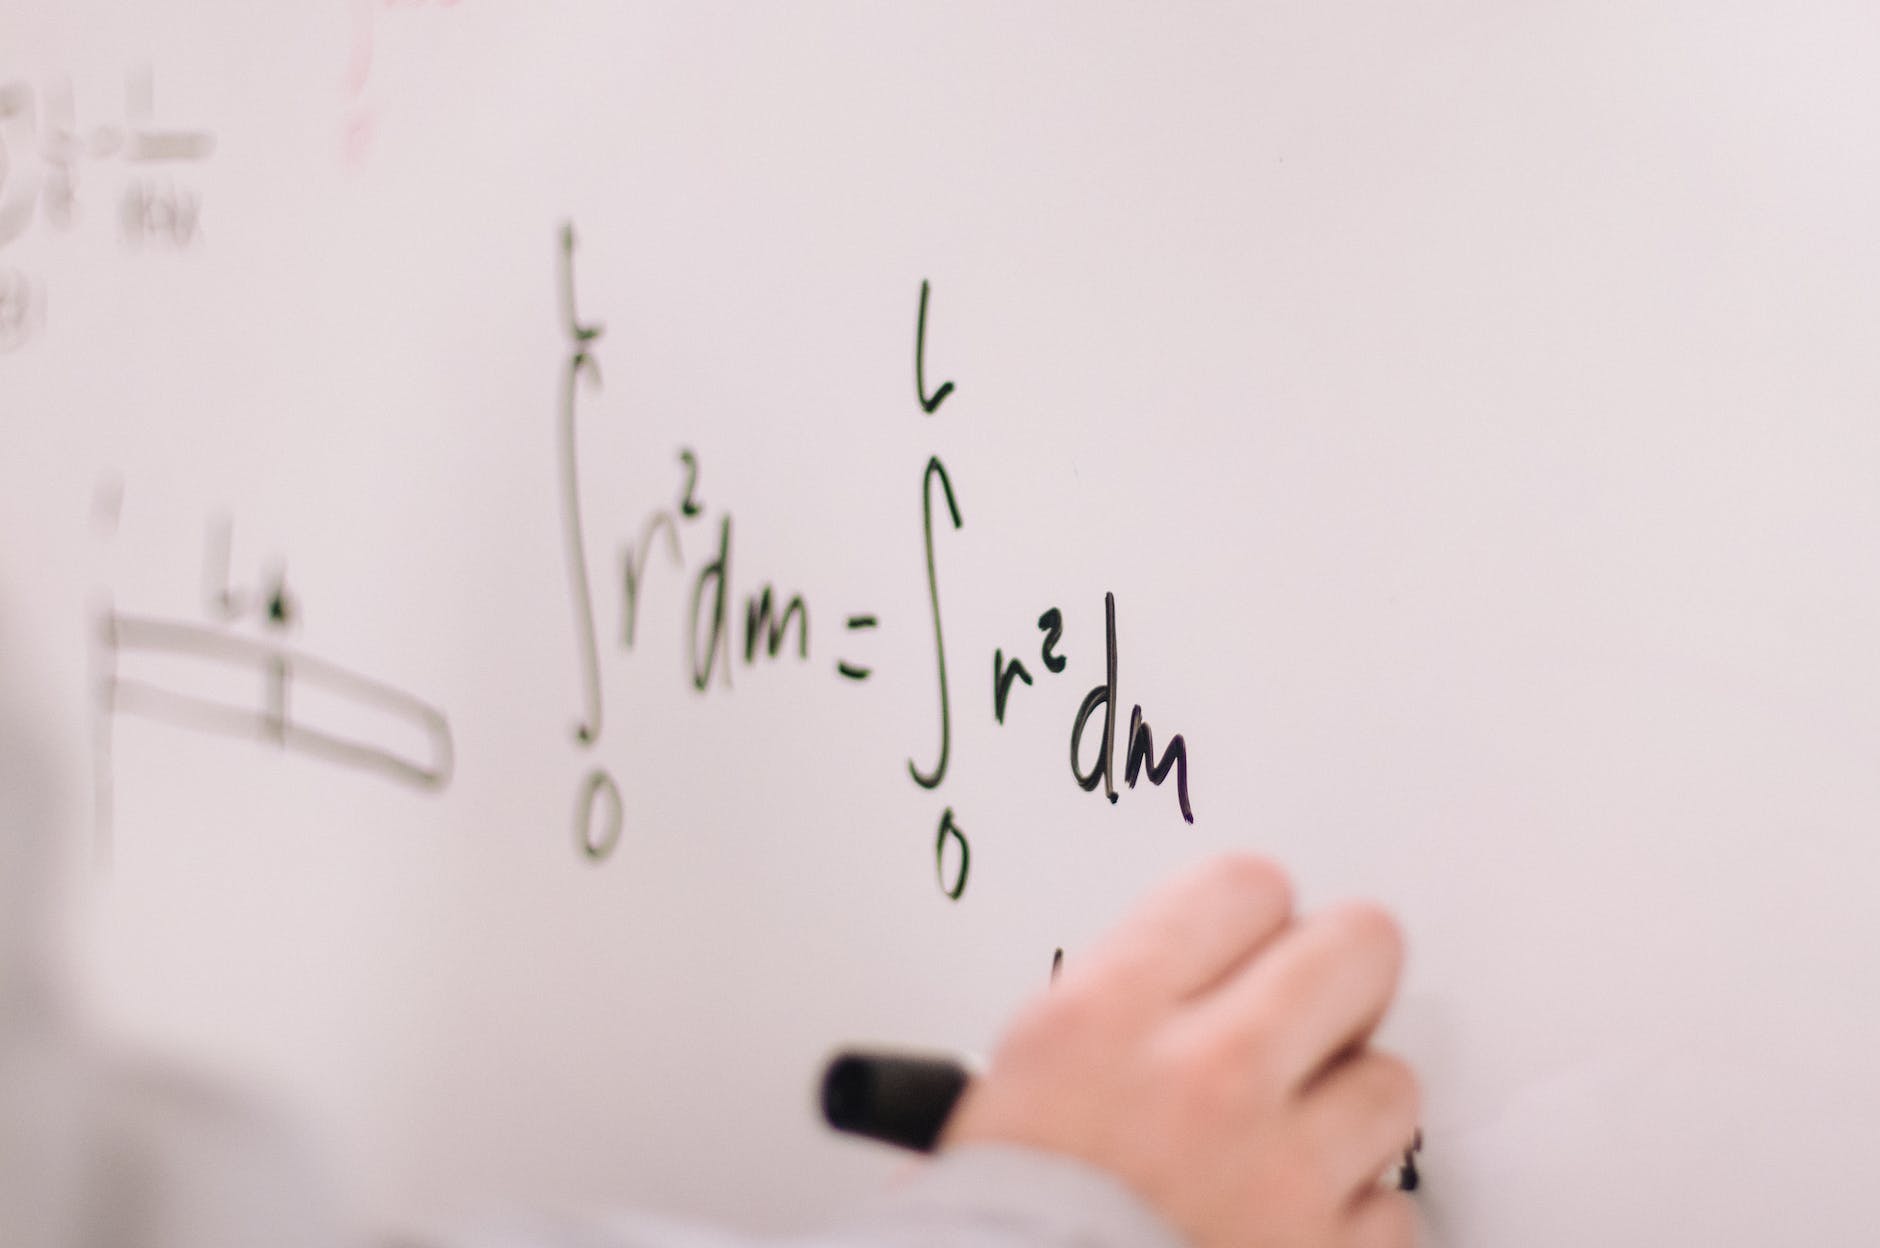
(356,134)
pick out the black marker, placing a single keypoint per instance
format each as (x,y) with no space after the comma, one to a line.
(896,1098)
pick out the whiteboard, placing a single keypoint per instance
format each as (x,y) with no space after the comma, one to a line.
(1468,411)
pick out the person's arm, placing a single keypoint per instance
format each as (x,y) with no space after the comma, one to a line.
(1202,1079)
(1213,1054)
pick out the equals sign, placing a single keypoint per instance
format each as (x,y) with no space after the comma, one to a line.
(856,624)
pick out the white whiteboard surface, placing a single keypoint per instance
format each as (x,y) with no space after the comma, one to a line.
(1473,408)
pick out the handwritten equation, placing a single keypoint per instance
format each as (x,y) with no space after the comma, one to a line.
(777,623)
(206,676)
(46,158)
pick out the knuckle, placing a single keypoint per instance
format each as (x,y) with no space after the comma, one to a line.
(1264,1054)
(1122,976)
(1188,1059)
(1373,927)
(1217,1055)
(1255,879)
(1076,1007)
(1234,1067)
(1203,1069)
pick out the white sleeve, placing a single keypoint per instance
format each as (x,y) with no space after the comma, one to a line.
(1003,1196)
(980,1196)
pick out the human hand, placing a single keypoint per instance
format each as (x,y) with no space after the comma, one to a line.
(1213,1053)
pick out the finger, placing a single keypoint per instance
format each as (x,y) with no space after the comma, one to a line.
(1382,1219)
(1319,990)
(1197,928)
(1361,1115)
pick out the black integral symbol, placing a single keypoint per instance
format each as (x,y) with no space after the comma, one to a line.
(932,779)
(580,363)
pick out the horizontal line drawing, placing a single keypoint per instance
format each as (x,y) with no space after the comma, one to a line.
(279,670)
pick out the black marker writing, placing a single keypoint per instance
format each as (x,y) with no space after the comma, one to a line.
(1003,674)
(1052,625)
(773,618)
(1142,749)
(580,362)
(633,563)
(274,605)
(1141,745)
(599,791)
(688,499)
(856,623)
(1103,695)
(280,605)
(759,622)
(717,572)
(600,787)
(279,670)
(928,405)
(950,831)
(931,779)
